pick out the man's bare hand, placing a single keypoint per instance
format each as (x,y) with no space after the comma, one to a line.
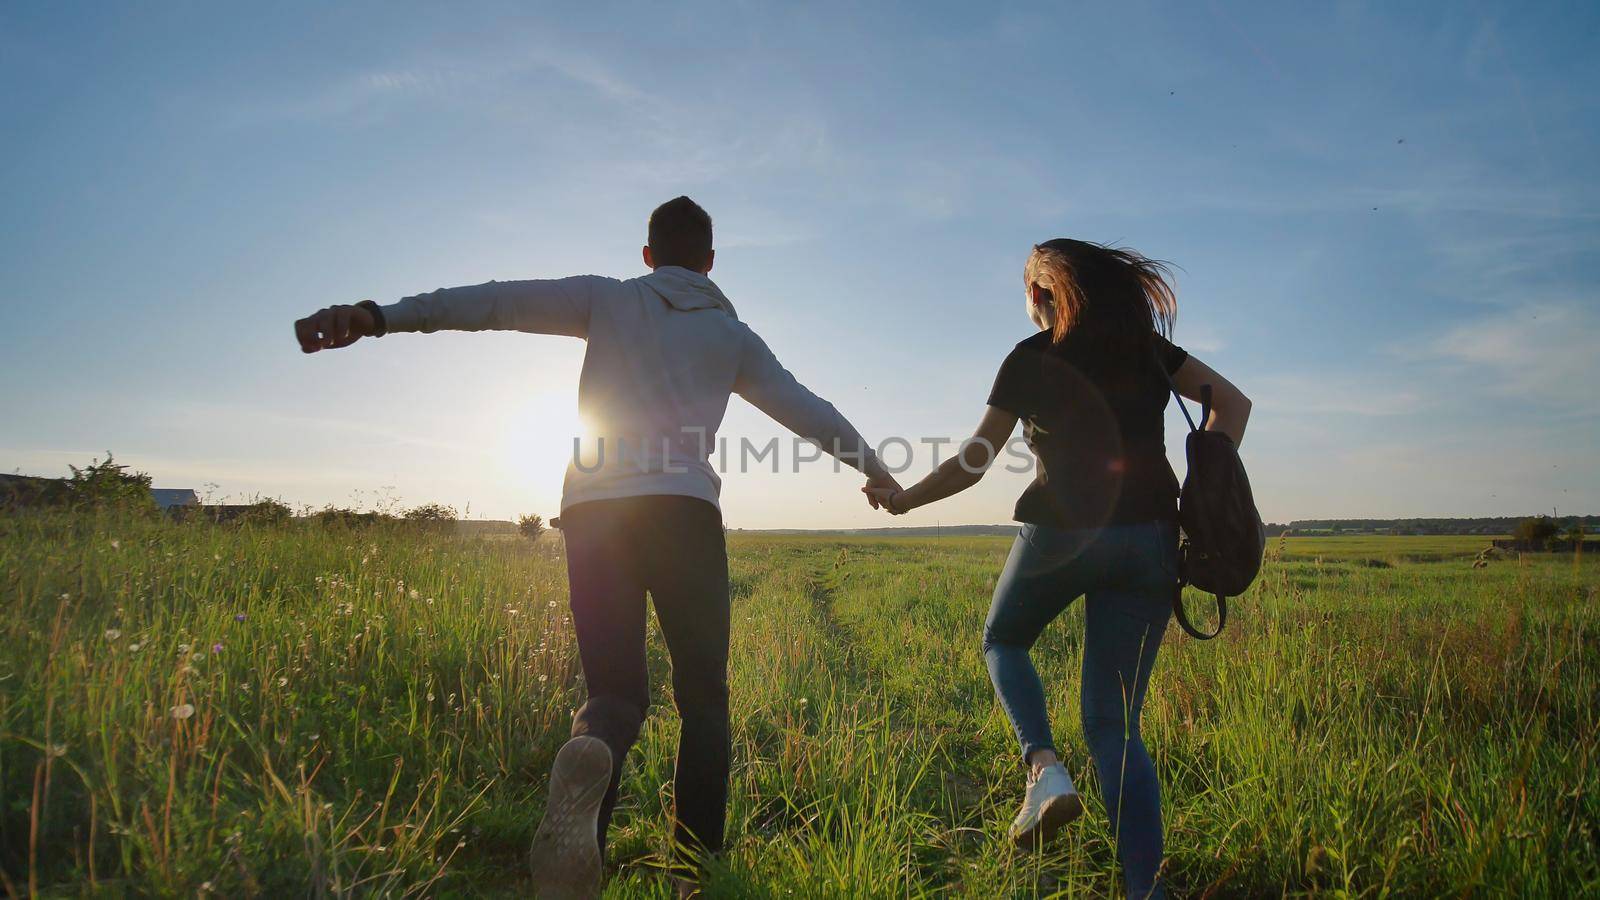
(332,328)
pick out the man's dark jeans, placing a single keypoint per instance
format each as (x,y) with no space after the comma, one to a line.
(672,547)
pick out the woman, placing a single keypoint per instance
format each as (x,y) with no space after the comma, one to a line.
(1099,520)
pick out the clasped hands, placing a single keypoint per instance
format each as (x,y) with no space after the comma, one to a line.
(883,492)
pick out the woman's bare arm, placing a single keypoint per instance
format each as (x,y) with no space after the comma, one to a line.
(1230,408)
(957,473)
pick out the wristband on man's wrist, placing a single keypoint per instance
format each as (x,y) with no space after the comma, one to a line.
(379,326)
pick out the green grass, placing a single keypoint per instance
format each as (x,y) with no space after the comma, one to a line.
(1389,549)
(1379,718)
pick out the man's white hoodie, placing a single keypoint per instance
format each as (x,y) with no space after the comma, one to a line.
(665,352)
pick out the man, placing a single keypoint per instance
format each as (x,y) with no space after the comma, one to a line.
(639,509)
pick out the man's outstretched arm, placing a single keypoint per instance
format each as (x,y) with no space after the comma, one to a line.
(771,388)
(555,306)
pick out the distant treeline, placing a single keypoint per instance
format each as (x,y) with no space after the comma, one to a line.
(1494,525)
(108,486)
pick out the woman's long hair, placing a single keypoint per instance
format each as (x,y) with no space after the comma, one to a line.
(1116,293)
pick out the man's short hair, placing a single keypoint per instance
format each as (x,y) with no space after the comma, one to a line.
(680,234)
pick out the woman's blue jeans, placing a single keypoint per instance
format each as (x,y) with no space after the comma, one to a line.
(1126,575)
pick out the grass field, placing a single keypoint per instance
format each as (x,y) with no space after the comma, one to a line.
(187,709)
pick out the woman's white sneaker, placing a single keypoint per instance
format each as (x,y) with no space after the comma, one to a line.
(566,850)
(1051,802)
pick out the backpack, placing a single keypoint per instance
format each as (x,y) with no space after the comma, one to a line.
(1223,539)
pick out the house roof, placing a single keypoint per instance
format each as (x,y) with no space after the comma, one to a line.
(166,498)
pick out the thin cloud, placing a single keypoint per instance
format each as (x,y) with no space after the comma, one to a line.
(1542,354)
(1200,338)
(263,419)
(1334,393)
(465,80)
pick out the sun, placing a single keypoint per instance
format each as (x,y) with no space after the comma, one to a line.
(537,437)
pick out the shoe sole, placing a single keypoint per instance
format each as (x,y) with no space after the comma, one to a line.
(565,857)
(1058,812)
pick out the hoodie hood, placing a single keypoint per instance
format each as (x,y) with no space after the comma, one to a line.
(687,290)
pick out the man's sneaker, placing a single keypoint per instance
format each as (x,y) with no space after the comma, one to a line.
(1051,802)
(566,850)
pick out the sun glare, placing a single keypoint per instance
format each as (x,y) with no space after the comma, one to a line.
(537,437)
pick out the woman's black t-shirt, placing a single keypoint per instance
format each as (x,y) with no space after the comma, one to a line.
(1093,416)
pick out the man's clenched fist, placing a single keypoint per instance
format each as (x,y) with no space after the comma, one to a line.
(332,328)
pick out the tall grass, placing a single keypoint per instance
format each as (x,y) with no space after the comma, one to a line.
(304,710)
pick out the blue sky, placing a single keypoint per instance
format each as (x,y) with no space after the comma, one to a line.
(1385,219)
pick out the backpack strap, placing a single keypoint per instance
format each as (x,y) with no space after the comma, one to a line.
(1188,626)
(1177,590)
(1173,386)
